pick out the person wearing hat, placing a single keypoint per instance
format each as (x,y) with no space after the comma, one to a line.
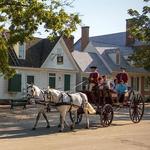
(122,76)
(93,77)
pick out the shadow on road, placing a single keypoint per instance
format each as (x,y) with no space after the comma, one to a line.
(18,123)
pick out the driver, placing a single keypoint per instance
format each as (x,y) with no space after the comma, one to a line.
(93,77)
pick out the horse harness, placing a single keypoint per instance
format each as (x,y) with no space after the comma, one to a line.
(61,101)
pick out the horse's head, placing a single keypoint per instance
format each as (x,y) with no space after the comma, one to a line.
(31,91)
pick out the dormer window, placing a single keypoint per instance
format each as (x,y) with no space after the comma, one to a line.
(115,56)
(21,51)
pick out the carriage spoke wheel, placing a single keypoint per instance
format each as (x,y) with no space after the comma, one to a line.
(107,115)
(136,108)
(79,117)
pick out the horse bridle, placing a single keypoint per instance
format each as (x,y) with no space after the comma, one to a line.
(32,91)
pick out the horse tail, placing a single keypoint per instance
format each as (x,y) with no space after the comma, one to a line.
(86,105)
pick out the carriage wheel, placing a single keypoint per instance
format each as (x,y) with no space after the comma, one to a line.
(136,108)
(79,117)
(107,115)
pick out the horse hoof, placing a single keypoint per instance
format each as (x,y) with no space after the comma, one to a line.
(60,130)
(59,126)
(87,127)
(33,128)
(48,126)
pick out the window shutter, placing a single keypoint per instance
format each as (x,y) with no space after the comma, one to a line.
(52,82)
(66,82)
(14,84)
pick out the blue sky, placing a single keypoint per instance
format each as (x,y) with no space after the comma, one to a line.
(104,16)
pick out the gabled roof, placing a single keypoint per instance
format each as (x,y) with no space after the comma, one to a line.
(106,44)
(117,40)
(123,63)
(37,53)
(85,60)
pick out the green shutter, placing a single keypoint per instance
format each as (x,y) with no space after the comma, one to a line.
(52,82)
(66,82)
(14,84)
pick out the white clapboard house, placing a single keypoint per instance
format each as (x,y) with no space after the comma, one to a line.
(42,62)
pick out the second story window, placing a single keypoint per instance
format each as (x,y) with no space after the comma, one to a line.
(21,51)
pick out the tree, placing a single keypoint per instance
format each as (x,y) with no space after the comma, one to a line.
(140,29)
(23,17)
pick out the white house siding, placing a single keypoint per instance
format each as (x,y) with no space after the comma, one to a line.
(41,75)
(51,61)
(41,79)
(4,94)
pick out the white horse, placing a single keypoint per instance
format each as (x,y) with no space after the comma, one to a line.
(37,96)
(63,102)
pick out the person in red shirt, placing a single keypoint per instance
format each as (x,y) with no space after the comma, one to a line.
(122,76)
(93,78)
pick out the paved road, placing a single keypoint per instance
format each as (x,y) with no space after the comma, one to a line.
(16,133)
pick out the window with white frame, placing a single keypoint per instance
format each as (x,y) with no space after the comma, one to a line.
(147,83)
(115,56)
(135,83)
(21,51)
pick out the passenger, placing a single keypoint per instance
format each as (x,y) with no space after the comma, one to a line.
(121,89)
(122,76)
(113,85)
(93,77)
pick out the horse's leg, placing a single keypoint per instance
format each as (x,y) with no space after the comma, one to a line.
(62,121)
(74,121)
(37,119)
(59,125)
(87,118)
(44,115)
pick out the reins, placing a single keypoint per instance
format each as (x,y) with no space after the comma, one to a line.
(76,86)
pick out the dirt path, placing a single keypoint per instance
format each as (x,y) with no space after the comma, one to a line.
(16,133)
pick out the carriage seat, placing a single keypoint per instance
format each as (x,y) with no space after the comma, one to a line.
(122,98)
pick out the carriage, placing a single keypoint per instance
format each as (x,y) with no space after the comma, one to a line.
(105,101)
(102,100)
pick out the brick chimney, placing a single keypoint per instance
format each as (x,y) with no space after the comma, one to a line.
(129,38)
(69,42)
(84,37)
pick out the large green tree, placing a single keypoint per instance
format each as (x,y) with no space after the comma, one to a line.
(140,29)
(23,18)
